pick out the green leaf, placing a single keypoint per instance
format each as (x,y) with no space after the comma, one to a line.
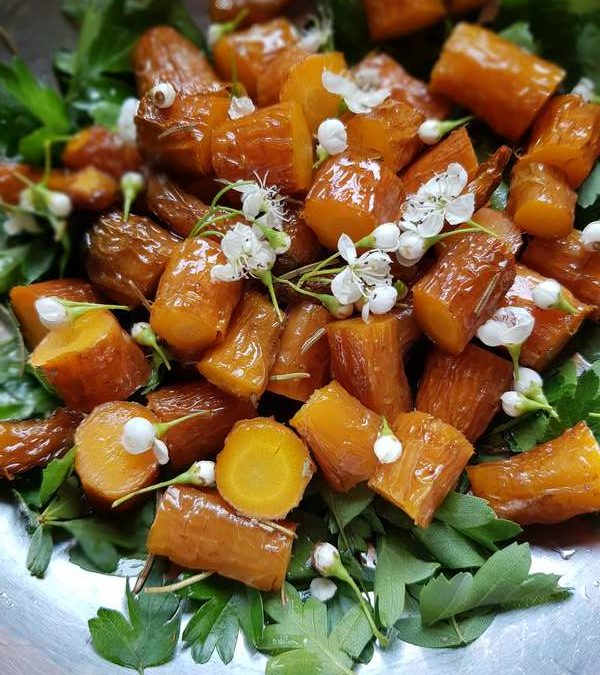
(589,192)
(346,506)
(67,503)
(311,530)
(451,548)
(396,567)
(40,551)
(499,198)
(251,616)
(55,474)
(147,637)
(520,34)
(213,626)
(350,27)
(442,598)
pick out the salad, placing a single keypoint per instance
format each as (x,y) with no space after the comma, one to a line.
(298,317)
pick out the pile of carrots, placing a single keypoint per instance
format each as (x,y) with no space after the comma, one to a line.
(227,344)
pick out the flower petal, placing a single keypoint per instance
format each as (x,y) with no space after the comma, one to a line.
(490,333)
(345,288)
(455,180)
(460,210)
(337,84)
(224,273)
(347,249)
(432,224)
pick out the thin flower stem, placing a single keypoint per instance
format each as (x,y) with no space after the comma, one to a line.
(320,266)
(368,611)
(182,479)
(515,352)
(303,291)
(163,427)
(593,414)
(565,306)
(267,278)
(481,228)
(179,585)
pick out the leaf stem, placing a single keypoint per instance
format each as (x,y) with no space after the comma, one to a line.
(179,585)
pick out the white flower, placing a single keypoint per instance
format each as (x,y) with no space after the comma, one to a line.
(386,237)
(142,333)
(261,203)
(318,35)
(126,128)
(411,248)
(430,131)
(370,269)
(439,200)
(132,181)
(163,94)
(39,198)
(380,300)
(584,88)
(590,236)
(527,381)
(203,473)
(332,136)
(387,449)
(325,558)
(358,100)
(322,589)
(215,32)
(161,451)
(240,106)
(139,436)
(19,223)
(52,313)
(546,294)
(508,327)
(246,252)
(514,404)
(59,204)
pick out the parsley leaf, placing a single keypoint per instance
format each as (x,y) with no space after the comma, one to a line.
(449,547)
(55,474)
(146,637)
(520,34)
(40,551)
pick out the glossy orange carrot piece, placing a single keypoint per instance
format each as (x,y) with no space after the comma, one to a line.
(91,361)
(201,437)
(125,259)
(172,205)
(274,75)
(464,390)
(11,185)
(273,141)
(456,147)
(391,129)
(463,6)
(463,289)
(241,362)
(304,86)
(198,530)
(263,469)
(340,433)
(100,147)
(89,188)
(178,138)
(352,193)
(566,135)
(408,329)
(191,311)
(380,69)
(434,455)
(162,54)
(33,443)
(257,10)
(549,484)
(502,225)
(496,79)
(388,20)
(567,261)
(541,202)
(303,349)
(106,470)
(247,52)
(366,359)
(489,176)
(553,328)
(22,301)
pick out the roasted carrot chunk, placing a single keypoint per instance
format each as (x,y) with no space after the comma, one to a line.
(178,138)
(11,184)
(263,469)
(273,141)
(257,10)
(456,147)
(125,259)
(98,146)
(34,443)
(566,135)
(567,261)
(434,455)
(352,193)
(340,432)
(463,6)
(91,361)
(304,245)
(366,359)
(381,70)
(163,55)
(172,205)
(389,20)
(391,129)
(201,437)
(551,483)
(489,175)
(463,289)
(197,529)
(303,349)
(304,86)
(240,363)
(553,328)
(408,329)
(498,81)
(541,201)
(464,390)
(106,470)
(89,188)
(246,53)
(191,311)
(275,74)
(22,301)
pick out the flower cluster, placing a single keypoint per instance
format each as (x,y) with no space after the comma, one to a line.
(527,394)
(318,34)
(509,327)
(357,98)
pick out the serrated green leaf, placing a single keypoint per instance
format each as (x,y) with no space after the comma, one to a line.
(55,474)
(464,511)
(40,552)
(346,507)
(451,548)
(444,597)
